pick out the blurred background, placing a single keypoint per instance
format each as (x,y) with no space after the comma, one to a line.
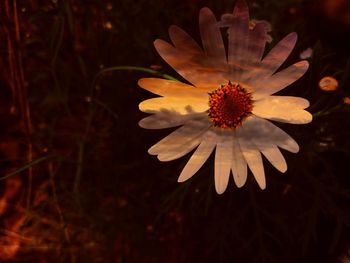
(77,183)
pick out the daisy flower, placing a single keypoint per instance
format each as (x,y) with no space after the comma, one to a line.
(228,105)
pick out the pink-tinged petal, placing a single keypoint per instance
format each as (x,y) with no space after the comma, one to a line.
(200,156)
(272,61)
(183,139)
(195,67)
(226,20)
(238,165)
(257,41)
(178,105)
(238,41)
(278,54)
(172,89)
(212,41)
(252,155)
(183,41)
(223,161)
(266,134)
(283,109)
(258,37)
(272,84)
(167,119)
(266,137)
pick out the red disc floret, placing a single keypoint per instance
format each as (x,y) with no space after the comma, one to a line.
(229,105)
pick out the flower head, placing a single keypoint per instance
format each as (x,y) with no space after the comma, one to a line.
(228,105)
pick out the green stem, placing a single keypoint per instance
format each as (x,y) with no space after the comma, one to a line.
(142,69)
(27,166)
(80,166)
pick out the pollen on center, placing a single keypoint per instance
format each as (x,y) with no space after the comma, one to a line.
(229,105)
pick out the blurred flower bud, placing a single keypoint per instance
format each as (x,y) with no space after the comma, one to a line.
(328,84)
(337,10)
(346,101)
(108,25)
(307,53)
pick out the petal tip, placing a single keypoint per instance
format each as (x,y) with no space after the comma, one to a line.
(165,157)
(241,4)
(293,36)
(158,43)
(239,185)
(307,104)
(180,180)
(140,82)
(241,10)
(291,39)
(261,183)
(205,10)
(184,177)
(261,180)
(173,27)
(283,169)
(303,64)
(262,187)
(219,191)
(161,158)
(143,107)
(296,148)
(186,174)
(174,30)
(310,117)
(140,106)
(141,123)
(305,119)
(152,151)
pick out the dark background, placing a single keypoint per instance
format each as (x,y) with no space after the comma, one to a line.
(77,182)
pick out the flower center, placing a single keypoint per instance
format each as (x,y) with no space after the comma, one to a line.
(229,105)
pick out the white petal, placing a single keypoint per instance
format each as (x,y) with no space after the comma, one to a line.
(167,119)
(171,88)
(178,105)
(179,139)
(180,150)
(283,109)
(238,40)
(272,84)
(275,157)
(266,134)
(211,36)
(252,156)
(200,156)
(266,138)
(238,165)
(223,160)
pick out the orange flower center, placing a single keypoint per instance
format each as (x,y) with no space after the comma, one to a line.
(229,105)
